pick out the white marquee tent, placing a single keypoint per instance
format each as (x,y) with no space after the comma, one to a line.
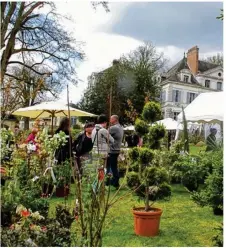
(170,124)
(206,108)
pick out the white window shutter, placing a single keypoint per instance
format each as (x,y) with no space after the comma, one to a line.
(188,94)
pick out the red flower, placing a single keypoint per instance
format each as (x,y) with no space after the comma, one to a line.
(44,228)
(25,213)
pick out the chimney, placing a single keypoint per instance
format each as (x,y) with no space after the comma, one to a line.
(193,59)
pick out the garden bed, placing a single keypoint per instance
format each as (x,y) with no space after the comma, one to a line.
(183,224)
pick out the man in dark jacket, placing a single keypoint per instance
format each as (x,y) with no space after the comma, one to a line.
(116,131)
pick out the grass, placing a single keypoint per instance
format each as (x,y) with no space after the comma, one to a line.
(183,223)
(194,150)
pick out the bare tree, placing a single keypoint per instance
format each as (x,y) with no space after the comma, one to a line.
(25,89)
(217,59)
(27,32)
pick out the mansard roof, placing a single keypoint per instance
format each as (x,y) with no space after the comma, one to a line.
(172,74)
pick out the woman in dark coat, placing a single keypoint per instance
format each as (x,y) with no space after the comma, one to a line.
(63,152)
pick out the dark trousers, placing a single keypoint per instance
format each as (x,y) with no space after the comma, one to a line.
(112,166)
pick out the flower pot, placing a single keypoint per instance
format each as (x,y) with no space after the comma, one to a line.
(147,223)
(62,191)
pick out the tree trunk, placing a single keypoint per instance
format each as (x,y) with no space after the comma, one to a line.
(26,123)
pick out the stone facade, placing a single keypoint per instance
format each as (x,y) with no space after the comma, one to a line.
(186,80)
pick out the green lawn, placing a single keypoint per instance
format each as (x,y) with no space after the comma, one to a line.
(195,149)
(183,223)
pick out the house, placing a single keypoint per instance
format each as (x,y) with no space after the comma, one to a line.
(186,80)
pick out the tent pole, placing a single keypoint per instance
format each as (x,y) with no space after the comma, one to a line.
(52,122)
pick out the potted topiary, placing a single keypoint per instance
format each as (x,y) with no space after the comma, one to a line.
(153,178)
(153,185)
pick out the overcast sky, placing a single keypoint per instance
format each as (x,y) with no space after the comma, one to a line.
(173,27)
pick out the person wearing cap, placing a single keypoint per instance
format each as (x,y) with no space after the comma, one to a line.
(211,140)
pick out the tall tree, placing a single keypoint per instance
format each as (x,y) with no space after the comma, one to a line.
(25,89)
(132,78)
(217,59)
(29,32)
(144,63)
(96,98)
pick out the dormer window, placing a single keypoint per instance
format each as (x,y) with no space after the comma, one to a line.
(186,78)
(207,83)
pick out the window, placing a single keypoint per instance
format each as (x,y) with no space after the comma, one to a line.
(175,114)
(163,96)
(186,79)
(219,86)
(191,97)
(176,96)
(219,74)
(207,83)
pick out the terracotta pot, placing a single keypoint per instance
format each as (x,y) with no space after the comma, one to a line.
(61,192)
(147,223)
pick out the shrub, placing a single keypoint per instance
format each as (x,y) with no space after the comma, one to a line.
(141,127)
(156,132)
(212,194)
(146,155)
(133,180)
(218,238)
(188,171)
(134,154)
(151,112)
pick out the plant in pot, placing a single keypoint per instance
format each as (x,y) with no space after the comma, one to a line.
(154,185)
(63,177)
(154,179)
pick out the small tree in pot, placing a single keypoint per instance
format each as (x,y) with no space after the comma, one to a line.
(153,178)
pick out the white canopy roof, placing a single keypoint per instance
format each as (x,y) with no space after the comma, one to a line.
(129,128)
(207,107)
(170,124)
(49,109)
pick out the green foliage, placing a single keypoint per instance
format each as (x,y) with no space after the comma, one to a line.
(189,171)
(156,133)
(63,174)
(141,127)
(212,193)
(134,154)
(75,132)
(177,146)
(145,156)
(151,112)
(218,238)
(64,216)
(133,180)
(150,174)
